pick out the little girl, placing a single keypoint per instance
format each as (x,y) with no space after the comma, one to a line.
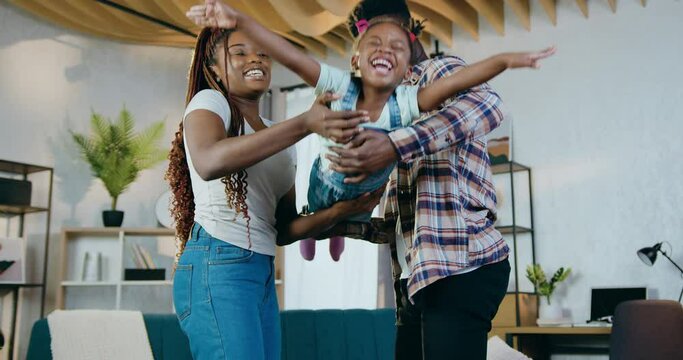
(382,61)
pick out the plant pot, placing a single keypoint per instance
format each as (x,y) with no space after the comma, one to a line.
(550,312)
(112,218)
(551,315)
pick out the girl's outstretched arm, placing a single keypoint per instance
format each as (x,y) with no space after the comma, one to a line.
(215,13)
(432,96)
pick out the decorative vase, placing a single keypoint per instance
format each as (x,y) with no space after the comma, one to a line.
(551,311)
(112,218)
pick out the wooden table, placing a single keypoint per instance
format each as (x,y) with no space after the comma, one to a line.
(540,342)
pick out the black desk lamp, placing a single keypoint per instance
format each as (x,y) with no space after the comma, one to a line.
(649,255)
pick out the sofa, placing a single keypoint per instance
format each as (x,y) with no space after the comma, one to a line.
(306,335)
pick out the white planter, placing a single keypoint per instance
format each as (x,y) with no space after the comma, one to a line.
(551,315)
(549,312)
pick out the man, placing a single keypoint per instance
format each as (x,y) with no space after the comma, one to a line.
(449,262)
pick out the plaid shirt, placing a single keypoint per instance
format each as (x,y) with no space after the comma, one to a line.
(442,191)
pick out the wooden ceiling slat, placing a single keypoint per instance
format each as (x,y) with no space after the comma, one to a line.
(437,25)
(306,20)
(338,7)
(68,14)
(493,11)
(583,5)
(316,25)
(153,9)
(333,42)
(341,31)
(116,18)
(459,11)
(613,5)
(42,11)
(550,7)
(263,12)
(522,10)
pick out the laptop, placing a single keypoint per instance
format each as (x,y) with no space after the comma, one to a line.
(605,300)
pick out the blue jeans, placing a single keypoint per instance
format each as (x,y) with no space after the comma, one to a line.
(225,299)
(326,187)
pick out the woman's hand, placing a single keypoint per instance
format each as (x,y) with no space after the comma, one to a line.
(213,13)
(527,59)
(338,126)
(362,204)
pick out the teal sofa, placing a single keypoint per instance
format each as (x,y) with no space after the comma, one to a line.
(306,335)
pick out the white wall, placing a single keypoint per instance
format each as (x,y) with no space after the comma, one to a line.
(599,125)
(50,78)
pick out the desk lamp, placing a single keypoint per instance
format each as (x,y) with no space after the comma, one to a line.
(649,255)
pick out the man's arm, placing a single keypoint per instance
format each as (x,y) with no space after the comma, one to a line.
(474,113)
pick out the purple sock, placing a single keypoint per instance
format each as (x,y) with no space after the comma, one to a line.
(336,247)
(307,248)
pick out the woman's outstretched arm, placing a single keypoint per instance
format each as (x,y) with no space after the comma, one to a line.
(214,155)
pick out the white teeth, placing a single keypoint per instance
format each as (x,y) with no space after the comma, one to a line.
(254,73)
(382,62)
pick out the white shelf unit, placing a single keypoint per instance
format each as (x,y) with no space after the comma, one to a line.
(112,291)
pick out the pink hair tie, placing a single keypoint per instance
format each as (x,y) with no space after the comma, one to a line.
(412,37)
(362,25)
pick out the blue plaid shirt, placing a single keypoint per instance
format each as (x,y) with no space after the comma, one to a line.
(442,190)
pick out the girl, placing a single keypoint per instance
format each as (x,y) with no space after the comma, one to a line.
(232,178)
(383,57)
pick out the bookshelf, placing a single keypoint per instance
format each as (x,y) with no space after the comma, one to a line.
(112,291)
(39,176)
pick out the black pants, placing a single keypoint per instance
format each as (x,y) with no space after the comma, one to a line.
(451,317)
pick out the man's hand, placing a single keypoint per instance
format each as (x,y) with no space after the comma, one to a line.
(213,13)
(366,153)
(338,126)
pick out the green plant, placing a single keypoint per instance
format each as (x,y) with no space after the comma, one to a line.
(536,275)
(116,153)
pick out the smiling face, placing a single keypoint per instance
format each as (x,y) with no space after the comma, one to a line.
(383,56)
(248,67)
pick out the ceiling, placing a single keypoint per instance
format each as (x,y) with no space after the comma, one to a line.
(316,25)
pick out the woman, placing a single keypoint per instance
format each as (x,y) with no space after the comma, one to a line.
(232,177)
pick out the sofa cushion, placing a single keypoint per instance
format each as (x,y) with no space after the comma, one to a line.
(306,335)
(167,340)
(338,334)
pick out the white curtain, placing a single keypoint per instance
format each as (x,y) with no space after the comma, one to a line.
(323,283)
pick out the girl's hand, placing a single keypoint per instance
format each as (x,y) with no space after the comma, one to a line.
(362,204)
(338,126)
(527,59)
(213,13)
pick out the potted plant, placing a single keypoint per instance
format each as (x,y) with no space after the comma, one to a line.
(545,288)
(117,154)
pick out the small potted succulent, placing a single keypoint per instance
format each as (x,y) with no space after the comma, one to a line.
(117,154)
(545,288)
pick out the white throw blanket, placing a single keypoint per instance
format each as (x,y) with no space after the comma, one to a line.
(98,334)
(497,349)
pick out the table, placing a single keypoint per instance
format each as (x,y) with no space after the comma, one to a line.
(540,342)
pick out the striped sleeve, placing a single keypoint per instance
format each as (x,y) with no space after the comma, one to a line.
(469,115)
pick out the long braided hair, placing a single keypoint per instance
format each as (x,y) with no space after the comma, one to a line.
(201,77)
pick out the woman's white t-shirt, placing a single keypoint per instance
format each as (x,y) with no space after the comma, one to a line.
(267,182)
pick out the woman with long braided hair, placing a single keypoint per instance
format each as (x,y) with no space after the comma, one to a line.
(232,177)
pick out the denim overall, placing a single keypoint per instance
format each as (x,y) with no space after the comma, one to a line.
(327,187)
